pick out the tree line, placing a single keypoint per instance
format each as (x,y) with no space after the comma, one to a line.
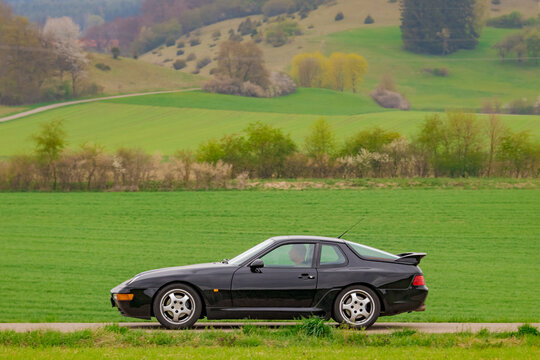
(34,62)
(84,12)
(523,46)
(454,144)
(339,71)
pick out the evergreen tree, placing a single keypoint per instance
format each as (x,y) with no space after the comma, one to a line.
(440,26)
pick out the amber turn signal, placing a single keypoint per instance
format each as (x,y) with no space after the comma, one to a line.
(124,297)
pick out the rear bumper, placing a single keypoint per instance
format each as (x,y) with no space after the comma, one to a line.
(140,307)
(399,301)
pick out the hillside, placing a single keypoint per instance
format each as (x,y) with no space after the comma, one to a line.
(168,122)
(132,76)
(318,24)
(474,75)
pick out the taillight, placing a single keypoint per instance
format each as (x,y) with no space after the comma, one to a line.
(419,280)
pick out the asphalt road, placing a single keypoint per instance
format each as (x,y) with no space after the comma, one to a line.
(378,328)
(62,104)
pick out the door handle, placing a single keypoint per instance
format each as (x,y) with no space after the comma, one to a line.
(302,276)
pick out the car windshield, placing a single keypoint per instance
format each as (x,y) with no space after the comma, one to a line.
(237,260)
(371,253)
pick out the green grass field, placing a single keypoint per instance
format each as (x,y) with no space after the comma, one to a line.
(169,122)
(475,75)
(65,251)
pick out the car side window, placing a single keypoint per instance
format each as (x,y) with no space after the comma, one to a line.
(290,255)
(331,255)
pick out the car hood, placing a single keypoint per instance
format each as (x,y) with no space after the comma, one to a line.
(186,269)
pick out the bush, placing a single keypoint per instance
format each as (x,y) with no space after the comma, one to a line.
(191,57)
(442,72)
(390,99)
(115,51)
(369,20)
(179,64)
(521,106)
(339,16)
(216,34)
(246,27)
(103,67)
(514,20)
(276,37)
(180,52)
(171,40)
(278,33)
(229,86)
(194,42)
(280,84)
(496,2)
(203,62)
(180,44)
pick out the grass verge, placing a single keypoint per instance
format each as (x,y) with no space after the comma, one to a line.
(262,343)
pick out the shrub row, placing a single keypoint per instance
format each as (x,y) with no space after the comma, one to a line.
(457,145)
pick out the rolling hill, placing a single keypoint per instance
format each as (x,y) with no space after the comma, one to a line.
(169,122)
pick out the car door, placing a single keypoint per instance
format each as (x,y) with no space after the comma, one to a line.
(287,280)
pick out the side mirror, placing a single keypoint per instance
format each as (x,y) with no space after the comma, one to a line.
(256,265)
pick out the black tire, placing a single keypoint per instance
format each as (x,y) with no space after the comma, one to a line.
(179,307)
(372,307)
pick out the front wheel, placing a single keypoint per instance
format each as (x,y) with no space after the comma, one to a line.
(357,306)
(177,306)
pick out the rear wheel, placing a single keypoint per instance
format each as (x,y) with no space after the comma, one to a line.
(357,306)
(177,306)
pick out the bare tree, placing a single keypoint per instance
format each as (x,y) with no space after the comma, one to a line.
(496,131)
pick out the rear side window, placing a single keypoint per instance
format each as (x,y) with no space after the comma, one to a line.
(331,255)
(371,253)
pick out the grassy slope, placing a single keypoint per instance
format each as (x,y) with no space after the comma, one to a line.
(131,76)
(170,122)
(482,245)
(475,75)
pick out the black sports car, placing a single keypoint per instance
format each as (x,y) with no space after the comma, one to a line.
(281,278)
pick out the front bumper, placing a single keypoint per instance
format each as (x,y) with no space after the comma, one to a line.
(141,305)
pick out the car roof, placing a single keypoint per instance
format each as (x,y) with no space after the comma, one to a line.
(305,237)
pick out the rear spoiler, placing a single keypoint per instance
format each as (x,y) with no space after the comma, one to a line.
(410,258)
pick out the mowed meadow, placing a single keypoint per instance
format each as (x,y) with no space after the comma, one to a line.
(61,253)
(169,122)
